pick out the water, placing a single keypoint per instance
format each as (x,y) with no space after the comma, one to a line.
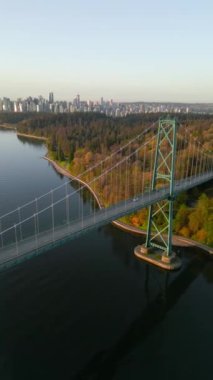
(90,309)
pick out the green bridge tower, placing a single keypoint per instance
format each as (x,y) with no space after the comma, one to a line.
(158,246)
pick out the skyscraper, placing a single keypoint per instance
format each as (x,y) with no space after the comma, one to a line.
(51,98)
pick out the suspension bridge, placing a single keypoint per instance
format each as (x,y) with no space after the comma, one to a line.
(148,171)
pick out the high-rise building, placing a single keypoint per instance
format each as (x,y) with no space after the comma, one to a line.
(7,106)
(51,97)
(78,100)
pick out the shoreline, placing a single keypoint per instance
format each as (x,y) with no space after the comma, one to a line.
(178,241)
(31,136)
(8,126)
(28,136)
(66,173)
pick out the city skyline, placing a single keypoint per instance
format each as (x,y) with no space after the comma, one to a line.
(126,50)
(55,99)
(106,106)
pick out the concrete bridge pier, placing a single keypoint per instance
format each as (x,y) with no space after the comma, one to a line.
(158,257)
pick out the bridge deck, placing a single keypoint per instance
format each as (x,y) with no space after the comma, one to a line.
(46,240)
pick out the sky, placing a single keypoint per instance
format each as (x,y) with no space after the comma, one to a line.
(126,50)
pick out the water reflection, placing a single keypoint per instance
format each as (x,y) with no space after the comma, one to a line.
(30,141)
(123,246)
(172,286)
(60,175)
(208,270)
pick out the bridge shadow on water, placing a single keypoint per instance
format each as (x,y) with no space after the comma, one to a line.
(106,364)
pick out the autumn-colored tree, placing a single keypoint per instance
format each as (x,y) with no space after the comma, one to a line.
(201,235)
(181,218)
(184,231)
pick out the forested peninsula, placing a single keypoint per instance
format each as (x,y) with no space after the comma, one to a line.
(79,140)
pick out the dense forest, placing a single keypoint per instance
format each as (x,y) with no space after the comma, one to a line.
(79,140)
(97,132)
(68,132)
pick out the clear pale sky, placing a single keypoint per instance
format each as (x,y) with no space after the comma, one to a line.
(121,49)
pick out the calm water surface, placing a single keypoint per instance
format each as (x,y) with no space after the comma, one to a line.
(90,309)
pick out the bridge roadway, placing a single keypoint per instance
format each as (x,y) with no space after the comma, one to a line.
(27,248)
